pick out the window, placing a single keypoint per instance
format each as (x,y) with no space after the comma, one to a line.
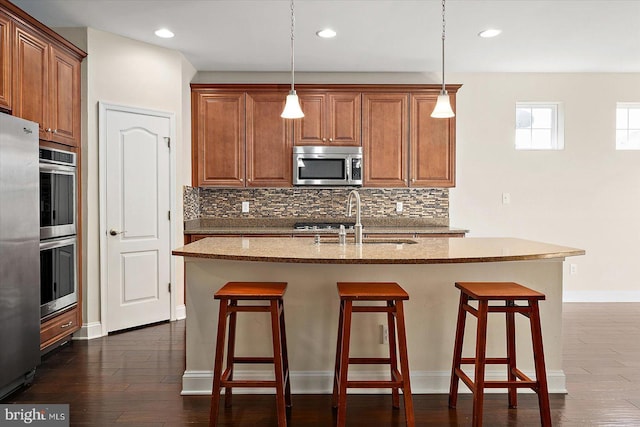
(539,126)
(628,126)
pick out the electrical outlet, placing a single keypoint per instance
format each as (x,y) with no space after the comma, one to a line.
(245,207)
(384,334)
(506,198)
(399,207)
(573,268)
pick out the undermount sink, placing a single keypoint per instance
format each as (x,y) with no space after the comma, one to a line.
(377,241)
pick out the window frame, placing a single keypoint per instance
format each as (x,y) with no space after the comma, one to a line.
(628,106)
(557,125)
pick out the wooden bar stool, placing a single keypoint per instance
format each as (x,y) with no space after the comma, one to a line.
(393,294)
(509,292)
(229,296)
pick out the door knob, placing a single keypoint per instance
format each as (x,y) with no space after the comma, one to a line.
(114,232)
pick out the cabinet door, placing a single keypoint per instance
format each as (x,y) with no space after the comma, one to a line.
(343,127)
(31,84)
(64,87)
(5,61)
(218,139)
(269,152)
(385,131)
(432,144)
(310,130)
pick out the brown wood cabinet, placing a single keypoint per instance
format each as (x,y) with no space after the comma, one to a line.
(330,118)
(240,140)
(46,87)
(5,61)
(385,137)
(433,144)
(41,82)
(268,139)
(64,101)
(59,327)
(218,146)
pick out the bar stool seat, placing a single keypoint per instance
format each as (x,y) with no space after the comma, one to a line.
(229,296)
(509,292)
(394,296)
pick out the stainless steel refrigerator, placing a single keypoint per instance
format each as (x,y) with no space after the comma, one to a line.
(19,253)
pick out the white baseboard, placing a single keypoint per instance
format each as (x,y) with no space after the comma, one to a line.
(601,296)
(320,382)
(181,312)
(89,331)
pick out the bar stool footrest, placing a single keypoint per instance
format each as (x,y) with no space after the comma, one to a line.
(369,360)
(374,384)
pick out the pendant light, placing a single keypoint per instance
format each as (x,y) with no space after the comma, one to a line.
(292,108)
(443,105)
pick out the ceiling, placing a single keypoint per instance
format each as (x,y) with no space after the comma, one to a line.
(373,35)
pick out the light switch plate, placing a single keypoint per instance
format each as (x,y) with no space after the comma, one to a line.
(245,207)
(399,207)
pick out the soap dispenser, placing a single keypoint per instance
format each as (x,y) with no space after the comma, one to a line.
(342,235)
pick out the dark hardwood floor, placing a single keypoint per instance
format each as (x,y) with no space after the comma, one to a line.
(134,379)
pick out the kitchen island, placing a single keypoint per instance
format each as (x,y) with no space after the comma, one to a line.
(425,268)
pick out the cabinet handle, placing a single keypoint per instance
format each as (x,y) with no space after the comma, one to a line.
(55,131)
(330,139)
(48,129)
(324,139)
(66,325)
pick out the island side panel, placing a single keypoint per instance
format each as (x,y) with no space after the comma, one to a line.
(311,307)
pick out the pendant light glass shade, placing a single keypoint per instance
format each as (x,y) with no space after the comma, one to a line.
(292,108)
(443,107)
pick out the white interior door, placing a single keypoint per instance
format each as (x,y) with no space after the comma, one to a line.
(138,226)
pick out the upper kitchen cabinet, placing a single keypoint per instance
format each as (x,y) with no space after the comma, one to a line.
(268,141)
(330,118)
(385,135)
(218,138)
(433,145)
(46,86)
(5,61)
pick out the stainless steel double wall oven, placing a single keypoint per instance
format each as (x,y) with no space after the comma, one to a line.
(58,241)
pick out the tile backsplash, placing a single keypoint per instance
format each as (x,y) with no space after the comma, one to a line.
(306,202)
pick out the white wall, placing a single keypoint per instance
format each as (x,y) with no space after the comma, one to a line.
(586,196)
(122,71)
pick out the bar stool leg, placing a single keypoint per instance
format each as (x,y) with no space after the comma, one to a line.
(217,368)
(336,374)
(404,365)
(481,349)
(277,364)
(344,365)
(285,356)
(511,355)
(538,356)
(393,357)
(231,351)
(457,351)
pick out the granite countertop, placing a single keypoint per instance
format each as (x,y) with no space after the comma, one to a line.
(394,251)
(285,227)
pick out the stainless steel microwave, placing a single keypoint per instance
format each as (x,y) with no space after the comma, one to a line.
(327,166)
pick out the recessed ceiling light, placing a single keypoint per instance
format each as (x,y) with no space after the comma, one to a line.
(491,32)
(164,33)
(327,33)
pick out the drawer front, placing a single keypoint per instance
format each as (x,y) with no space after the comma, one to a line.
(59,327)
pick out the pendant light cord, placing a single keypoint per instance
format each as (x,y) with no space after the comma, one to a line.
(443,37)
(293,26)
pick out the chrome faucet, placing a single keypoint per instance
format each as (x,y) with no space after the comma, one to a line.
(358,227)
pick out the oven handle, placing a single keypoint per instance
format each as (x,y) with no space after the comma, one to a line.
(51,167)
(57,243)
